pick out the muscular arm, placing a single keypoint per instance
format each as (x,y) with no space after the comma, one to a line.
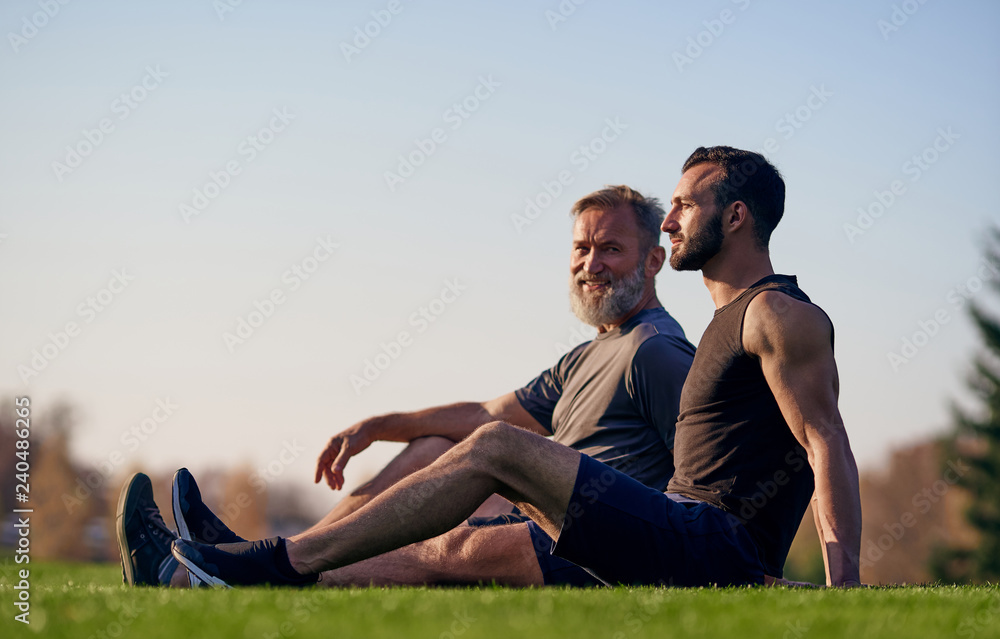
(793,341)
(453,421)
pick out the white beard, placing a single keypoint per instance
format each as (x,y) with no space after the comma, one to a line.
(610,305)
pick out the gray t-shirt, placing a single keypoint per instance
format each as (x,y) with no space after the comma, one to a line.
(616,397)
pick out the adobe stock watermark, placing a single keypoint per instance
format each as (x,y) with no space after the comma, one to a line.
(957,298)
(88,310)
(789,124)
(258,480)
(562,12)
(914,168)
(32,25)
(420,319)
(131,439)
(292,279)
(923,501)
(225,7)
(454,116)
(982,620)
(635,620)
(580,159)
(365,34)
(899,16)
(590,492)
(795,462)
(792,121)
(704,39)
(423,491)
(796,630)
(128,612)
(460,623)
(577,335)
(248,150)
(302,612)
(121,107)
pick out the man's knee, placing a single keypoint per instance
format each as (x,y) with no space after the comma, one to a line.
(495,440)
(452,544)
(481,544)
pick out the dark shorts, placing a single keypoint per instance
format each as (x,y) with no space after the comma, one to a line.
(624,532)
(555,571)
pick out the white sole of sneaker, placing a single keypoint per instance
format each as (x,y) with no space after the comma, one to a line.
(127,570)
(195,571)
(182,528)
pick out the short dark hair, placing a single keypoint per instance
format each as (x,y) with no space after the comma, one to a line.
(747,177)
(649,212)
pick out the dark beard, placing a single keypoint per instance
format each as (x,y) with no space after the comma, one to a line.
(698,249)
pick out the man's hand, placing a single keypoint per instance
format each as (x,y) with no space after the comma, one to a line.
(338,451)
(453,421)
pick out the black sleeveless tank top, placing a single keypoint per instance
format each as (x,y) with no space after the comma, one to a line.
(732,448)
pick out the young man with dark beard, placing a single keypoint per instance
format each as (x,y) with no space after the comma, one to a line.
(614,398)
(759,434)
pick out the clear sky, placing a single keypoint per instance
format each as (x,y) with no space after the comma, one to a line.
(166,167)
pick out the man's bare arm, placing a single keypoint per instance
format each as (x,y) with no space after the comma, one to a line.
(793,341)
(452,421)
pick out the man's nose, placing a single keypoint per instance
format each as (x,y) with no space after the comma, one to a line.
(593,263)
(670,224)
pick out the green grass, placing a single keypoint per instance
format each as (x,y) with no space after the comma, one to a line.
(82,601)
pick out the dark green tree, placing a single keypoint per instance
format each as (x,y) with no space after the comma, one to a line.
(976,443)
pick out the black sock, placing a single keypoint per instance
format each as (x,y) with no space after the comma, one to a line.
(283,563)
(254,562)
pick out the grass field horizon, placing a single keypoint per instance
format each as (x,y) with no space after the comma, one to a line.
(89,600)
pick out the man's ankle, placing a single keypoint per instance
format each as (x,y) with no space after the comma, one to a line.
(295,552)
(180,578)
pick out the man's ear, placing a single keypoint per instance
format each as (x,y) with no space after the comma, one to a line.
(736,216)
(655,260)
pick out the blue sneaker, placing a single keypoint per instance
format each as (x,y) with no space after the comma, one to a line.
(143,539)
(195,521)
(246,563)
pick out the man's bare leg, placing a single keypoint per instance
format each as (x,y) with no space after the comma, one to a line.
(465,555)
(534,473)
(420,453)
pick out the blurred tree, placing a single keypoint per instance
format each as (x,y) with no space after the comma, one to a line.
(976,443)
(7,458)
(910,509)
(244,505)
(63,514)
(805,557)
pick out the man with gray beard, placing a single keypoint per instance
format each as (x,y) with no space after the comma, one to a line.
(614,398)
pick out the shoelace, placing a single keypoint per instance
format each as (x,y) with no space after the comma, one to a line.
(159,527)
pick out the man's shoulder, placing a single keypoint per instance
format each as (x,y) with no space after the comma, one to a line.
(778,307)
(660,343)
(651,335)
(776,320)
(657,323)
